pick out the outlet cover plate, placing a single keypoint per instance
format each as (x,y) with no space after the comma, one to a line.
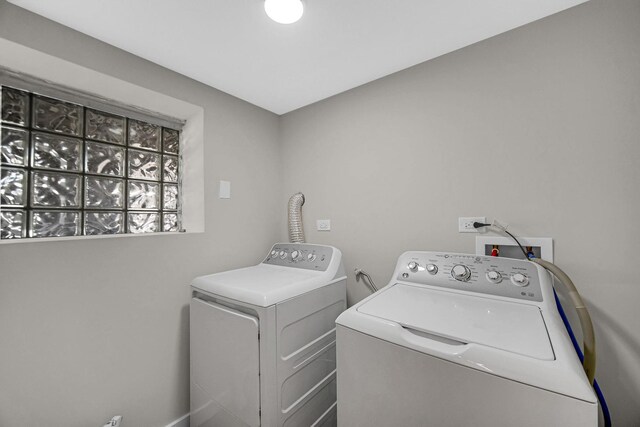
(323,225)
(465,223)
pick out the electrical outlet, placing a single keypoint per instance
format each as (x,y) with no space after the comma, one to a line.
(323,225)
(465,224)
(114,422)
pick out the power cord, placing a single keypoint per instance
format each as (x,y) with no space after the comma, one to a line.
(603,402)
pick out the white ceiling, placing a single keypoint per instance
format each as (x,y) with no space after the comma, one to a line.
(337,45)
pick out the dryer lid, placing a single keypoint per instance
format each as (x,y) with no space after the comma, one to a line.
(509,326)
(262,285)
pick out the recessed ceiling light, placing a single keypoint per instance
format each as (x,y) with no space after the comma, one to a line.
(284,11)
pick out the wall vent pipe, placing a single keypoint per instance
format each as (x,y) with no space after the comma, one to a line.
(296,232)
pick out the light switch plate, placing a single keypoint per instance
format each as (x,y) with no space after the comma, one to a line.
(323,225)
(225,190)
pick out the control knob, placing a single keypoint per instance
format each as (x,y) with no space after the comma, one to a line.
(274,253)
(432,268)
(282,254)
(494,277)
(413,266)
(311,257)
(520,279)
(296,255)
(461,273)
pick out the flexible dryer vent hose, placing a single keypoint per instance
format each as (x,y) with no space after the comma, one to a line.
(588,335)
(296,232)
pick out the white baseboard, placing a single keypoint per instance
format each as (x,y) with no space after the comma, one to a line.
(183,421)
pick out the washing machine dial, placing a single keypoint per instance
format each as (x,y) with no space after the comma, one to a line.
(413,266)
(520,279)
(311,257)
(432,268)
(461,273)
(296,255)
(274,253)
(494,277)
(283,254)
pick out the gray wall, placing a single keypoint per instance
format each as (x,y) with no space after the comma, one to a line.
(537,127)
(93,328)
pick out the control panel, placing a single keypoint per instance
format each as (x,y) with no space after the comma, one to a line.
(488,275)
(300,255)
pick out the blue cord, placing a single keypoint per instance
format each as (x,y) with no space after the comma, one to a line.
(576,346)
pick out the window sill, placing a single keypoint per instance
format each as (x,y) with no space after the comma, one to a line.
(101,236)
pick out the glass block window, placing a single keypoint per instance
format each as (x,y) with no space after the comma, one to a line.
(71,170)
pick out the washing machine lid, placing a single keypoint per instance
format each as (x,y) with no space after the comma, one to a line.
(514,327)
(262,285)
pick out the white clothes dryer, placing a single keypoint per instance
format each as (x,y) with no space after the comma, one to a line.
(460,340)
(263,340)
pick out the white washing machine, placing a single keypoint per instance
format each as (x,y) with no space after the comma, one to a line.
(460,340)
(263,340)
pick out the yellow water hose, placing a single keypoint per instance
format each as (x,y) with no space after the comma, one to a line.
(588,335)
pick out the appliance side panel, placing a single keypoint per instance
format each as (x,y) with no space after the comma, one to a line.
(270,415)
(383,384)
(307,355)
(225,371)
